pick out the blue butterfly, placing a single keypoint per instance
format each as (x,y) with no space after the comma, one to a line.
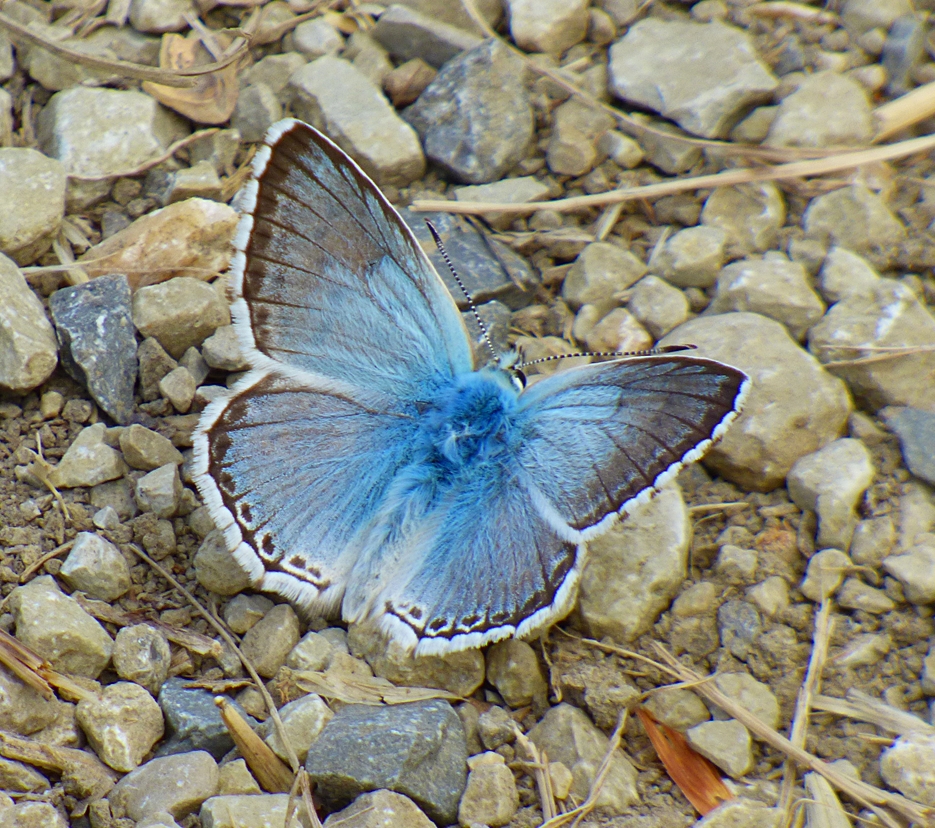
(365,465)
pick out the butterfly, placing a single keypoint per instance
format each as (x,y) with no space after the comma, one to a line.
(365,466)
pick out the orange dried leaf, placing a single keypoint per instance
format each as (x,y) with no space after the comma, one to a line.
(695,776)
(213,97)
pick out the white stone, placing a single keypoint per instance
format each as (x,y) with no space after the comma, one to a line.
(35,184)
(97,567)
(334,96)
(547,25)
(88,461)
(28,350)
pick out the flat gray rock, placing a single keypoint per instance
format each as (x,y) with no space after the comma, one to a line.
(489,269)
(916,431)
(704,76)
(406,34)
(94,327)
(475,119)
(414,749)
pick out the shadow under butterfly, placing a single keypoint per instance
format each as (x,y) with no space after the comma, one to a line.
(364,466)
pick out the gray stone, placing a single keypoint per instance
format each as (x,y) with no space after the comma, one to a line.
(369,58)
(547,25)
(831,482)
(380,809)
(176,785)
(146,449)
(257,110)
(460,673)
(193,720)
(495,727)
(197,181)
(407,33)
(858,219)
(658,306)
(909,766)
(456,15)
(617,332)
(303,720)
(155,363)
(94,328)
(824,574)
(100,131)
(855,594)
(736,565)
(497,319)
(122,724)
(739,624)
(576,131)
(865,650)
(257,811)
(885,315)
(316,38)
(826,110)
(634,570)
(269,641)
(475,119)
(750,694)
(115,495)
(222,350)
(794,406)
(36,185)
(95,566)
(704,77)
(243,611)
(179,313)
(22,709)
(623,150)
(750,214)
(21,778)
(873,540)
(6,112)
(194,363)
(34,815)
(567,735)
(514,670)
(489,269)
(28,351)
(741,813)
(773,287)
(490,797)
(727,744)
(860,16)
(915,570)
(601,270)
(274,71)
(844,273)
(216,568)
(56,627)
(160,491)
(88,461)
(333,95)
(141,654)
(771,596)
(158,16)
(693,257)
(678,708)
(916,431)
(416,749)
(178,387)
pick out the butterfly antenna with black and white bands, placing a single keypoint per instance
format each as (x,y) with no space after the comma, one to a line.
(665,349)
(470,299)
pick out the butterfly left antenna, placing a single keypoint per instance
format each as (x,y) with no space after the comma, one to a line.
(663,349)
(464,290)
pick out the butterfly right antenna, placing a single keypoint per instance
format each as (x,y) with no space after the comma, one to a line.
(464,290)
(664,349)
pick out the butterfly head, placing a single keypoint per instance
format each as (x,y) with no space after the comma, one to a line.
(507,363)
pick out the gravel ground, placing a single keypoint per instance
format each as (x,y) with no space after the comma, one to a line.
(806,535)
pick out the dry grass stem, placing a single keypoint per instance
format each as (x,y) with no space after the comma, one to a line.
(746,175)
(823,808)
(901,113)
(864,794)
(794,11)
(539,764)
(865,708)
(270,771)
(40,562)
(126,69)
(229,640)
(360,690)
(821,638)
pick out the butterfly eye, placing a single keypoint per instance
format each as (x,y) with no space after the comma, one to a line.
(519,379)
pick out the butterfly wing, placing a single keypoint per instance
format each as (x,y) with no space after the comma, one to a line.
(502,553)
(328,280)
(348,330)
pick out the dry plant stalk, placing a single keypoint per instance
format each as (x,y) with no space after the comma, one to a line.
(746,175)
(270,771)
(821,638)
(539,764)
(360,690)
